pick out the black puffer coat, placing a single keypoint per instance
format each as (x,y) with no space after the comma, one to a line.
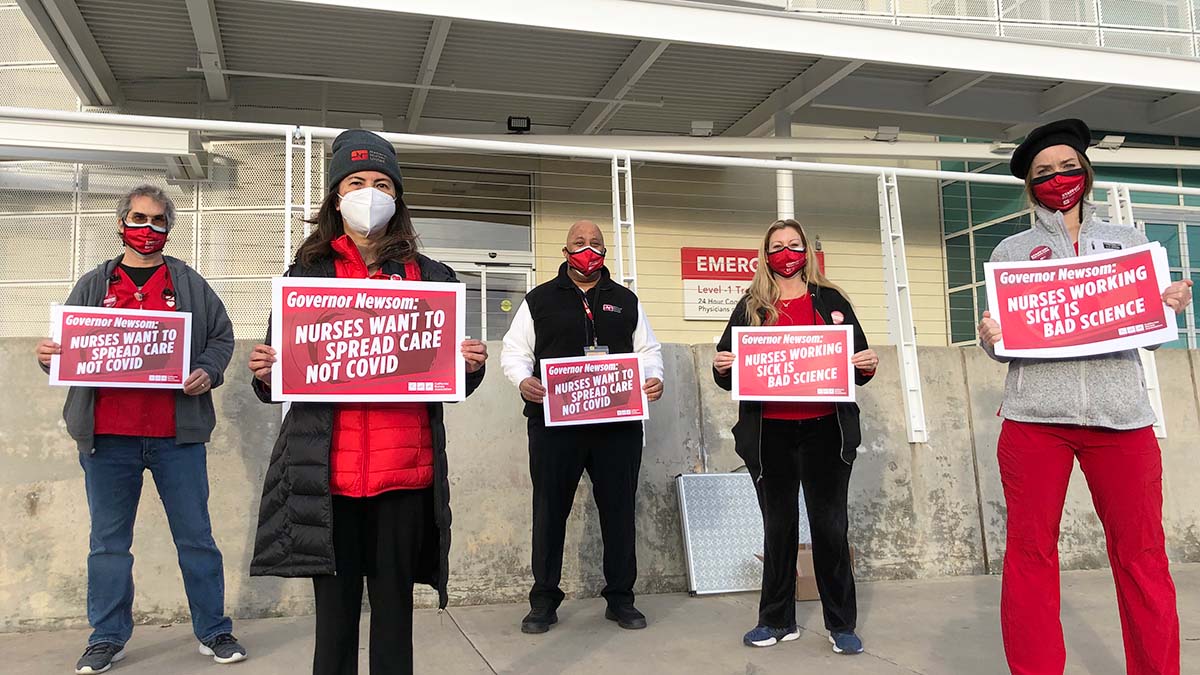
(295,518)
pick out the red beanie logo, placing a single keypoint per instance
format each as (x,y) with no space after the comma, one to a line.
(359,155)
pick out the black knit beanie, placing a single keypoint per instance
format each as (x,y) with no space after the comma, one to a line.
(357,150)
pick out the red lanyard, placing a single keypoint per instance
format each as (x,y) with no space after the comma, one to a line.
(587,309)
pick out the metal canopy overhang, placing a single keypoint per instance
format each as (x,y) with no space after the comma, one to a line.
(596,66)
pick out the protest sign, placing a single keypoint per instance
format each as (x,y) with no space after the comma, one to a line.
(594,389)
(347,340)
(793,363)
(133,348)
(1081,306)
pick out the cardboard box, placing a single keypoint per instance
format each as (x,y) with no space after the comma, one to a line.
(806,576)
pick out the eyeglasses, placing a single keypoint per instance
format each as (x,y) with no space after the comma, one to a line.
(158,223)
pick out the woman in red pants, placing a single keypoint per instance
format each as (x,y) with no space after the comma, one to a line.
(1094,409)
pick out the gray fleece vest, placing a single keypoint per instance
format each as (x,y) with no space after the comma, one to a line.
(1107,390)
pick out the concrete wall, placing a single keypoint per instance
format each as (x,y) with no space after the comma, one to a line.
(916,510)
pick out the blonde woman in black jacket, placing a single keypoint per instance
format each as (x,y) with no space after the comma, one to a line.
(789,445)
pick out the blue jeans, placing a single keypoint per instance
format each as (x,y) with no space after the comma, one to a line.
(113,477)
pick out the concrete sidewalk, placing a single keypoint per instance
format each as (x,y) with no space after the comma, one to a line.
(945,626)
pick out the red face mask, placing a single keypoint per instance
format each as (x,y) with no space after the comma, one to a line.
(143,238)
(787,262)
(1060,191)
(586,260)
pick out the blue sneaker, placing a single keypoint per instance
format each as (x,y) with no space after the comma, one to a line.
(845,643)
(763,636)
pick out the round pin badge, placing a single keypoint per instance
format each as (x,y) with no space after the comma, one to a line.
(1041,253)
(837,317)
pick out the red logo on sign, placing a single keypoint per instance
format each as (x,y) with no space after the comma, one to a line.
(358,155)
(1041,253)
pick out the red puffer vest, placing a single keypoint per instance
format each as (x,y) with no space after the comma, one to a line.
(377,447)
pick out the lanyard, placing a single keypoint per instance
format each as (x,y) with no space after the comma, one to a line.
(587,309)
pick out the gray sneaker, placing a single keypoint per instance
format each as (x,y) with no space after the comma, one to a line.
(224,649)
(98,658)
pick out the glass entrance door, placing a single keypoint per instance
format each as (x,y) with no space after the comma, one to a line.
(494,293)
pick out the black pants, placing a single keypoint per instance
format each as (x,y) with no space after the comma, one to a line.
(795,454)
(558,456)
(390,539)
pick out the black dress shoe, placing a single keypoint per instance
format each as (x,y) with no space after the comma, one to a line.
(538,621)
(626,617)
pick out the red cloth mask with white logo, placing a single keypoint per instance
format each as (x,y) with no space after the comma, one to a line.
(143,238)
(787,262)
(1060,191)
(586,260)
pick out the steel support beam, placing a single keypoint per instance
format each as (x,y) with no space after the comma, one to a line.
(597,114)
(66,35)
(429,63)
(1173,107)
(1066,95)
(203,17)
(950,84)
(801,91)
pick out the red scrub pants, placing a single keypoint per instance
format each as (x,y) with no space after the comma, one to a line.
(1124,473)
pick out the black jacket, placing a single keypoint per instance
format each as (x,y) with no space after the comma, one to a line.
(562,328)
(748,430)
(295,517)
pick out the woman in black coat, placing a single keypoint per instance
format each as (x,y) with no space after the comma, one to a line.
(323,513)
(789,445)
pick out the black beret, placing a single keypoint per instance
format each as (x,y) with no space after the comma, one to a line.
(1070,132)
(357,150)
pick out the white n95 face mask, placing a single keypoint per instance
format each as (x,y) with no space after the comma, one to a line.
(368,210)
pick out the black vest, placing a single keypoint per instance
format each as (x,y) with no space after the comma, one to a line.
(561,326)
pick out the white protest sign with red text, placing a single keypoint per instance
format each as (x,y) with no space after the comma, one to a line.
(347,340)
(1081,306)
(133,348)
(594,389)
(793,363)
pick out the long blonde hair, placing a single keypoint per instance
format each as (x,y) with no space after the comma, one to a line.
(764,290)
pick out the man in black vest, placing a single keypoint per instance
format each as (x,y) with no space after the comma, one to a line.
(581,312)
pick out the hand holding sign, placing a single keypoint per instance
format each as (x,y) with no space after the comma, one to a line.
(532,390)
(866,360)
(46,349)
(989,330)
(723,361)
(1178,296)
(197,383)
(653,388)
(261,361)
(474,353)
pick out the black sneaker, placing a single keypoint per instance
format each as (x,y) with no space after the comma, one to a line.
(626,617)
(98,658)
(224,649)
(538,620)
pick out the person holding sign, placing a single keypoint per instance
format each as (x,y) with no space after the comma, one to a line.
(581,312)
(789,445)
(358,490)
(1094,409)
(121,432)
